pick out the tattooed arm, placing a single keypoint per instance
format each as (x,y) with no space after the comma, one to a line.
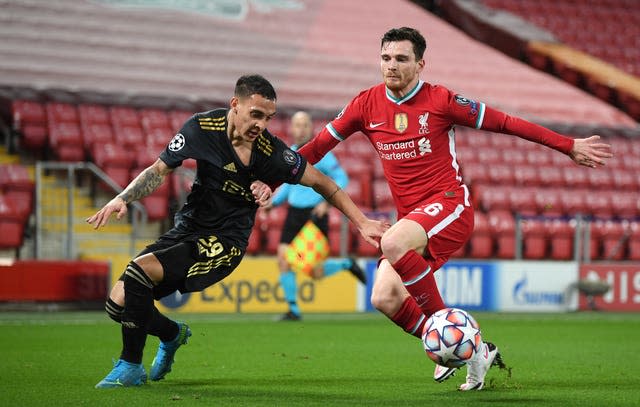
(144,184)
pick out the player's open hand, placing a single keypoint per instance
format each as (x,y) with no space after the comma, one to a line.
(590,151)
(372,231)
(117,205)
(262,193)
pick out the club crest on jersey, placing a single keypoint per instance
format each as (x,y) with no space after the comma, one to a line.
(400,122)
(424,125)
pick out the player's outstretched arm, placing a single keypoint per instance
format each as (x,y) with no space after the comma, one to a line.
(144,184)
(590,151)
(370,229)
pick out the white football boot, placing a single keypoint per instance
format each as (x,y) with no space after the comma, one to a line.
(479,365)
(441,373)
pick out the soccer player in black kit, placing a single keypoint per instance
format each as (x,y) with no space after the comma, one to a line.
(237,160)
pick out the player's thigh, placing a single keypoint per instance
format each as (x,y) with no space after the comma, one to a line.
(404,235)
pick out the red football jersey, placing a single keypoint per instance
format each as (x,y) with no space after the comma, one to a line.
(414,137)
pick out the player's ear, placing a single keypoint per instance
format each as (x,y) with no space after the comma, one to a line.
(234,104)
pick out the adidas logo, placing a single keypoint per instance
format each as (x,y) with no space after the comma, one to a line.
(230,167)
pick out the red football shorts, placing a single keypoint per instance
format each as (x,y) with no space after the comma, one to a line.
(447,218)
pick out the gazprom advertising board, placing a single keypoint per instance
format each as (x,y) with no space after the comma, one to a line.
(505,285)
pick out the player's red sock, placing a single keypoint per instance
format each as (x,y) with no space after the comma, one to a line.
(410,318)
(417,277)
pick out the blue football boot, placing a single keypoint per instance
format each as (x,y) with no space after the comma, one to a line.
(166,351)
(124,374)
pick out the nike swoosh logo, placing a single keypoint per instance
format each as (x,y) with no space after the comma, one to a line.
(374,125)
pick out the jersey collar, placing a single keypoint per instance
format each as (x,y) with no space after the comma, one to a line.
(406,97)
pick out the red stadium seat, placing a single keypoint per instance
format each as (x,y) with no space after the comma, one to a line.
(273,226)
(381,194)
(30,120)
(522,200)
(561,238)
(96,133)
(599,204)
(626,205)
(551,177)
(12,236)
(525,175)
(61,113)
(336,219)
(534,239)
(177,119)
(481,241)
(122,116)
(495,198)
(475,173)
(129,136)
(548,202)
(573,202)
(612,235)
(154,119)
(503,229)
(575,177)
(501,174)
(255,239)
(634,241)
(93,114)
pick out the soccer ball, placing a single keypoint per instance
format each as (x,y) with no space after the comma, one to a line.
(451,337)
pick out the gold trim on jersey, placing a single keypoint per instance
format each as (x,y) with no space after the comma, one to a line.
(230,167)
(213,123)
(264,145)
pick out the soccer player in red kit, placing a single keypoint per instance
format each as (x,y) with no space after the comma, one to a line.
(411,125)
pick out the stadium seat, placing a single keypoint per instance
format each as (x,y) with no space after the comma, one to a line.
(273,226)
(525,175)
(522,200)
(157,204)
(12,236)
(625,180)
(255,239)
(573,202)
(634,241)
(495,198)
(599,203)
(96,133)
(154,119)
(336,219)
(61,113)
(551,177)
(548,202)
(626,205)
(30,121)
(481,241)
(177,119)
(475,173)
(534,239)
(612,236)
(501,174)
(93,114)
(561,237)
(122,116)
(503,229)
(381,194)
(129,136)
(575,177)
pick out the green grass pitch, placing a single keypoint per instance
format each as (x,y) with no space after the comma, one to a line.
(576,359)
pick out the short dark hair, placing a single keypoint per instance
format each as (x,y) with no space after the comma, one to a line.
(248,85)
(406,34)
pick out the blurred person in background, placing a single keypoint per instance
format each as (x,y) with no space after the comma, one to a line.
(307,205)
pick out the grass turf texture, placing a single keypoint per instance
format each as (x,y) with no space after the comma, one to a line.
(578,359)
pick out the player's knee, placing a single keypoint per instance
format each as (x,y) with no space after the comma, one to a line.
(383,299)
(392,247)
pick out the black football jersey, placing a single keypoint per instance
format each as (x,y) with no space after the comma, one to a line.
(220,201)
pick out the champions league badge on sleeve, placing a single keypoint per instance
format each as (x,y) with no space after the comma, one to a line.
(177,142)
(461,100)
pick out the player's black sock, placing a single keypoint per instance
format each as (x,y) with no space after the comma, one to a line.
(162,327)
(138,311)
(114,310)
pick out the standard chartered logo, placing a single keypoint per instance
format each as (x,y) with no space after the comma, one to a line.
(424,145)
